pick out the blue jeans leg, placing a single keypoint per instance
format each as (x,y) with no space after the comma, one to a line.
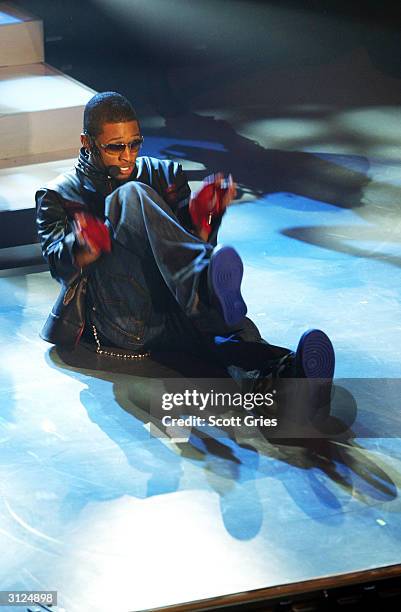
(153,270)
(138,215)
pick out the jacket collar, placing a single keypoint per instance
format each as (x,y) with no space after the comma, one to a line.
(92,176)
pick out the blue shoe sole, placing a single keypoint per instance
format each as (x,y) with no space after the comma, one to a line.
(224,278)
(315,356)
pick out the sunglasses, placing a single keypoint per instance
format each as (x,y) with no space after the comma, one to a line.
(117,148)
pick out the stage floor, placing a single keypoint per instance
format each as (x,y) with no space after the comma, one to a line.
(95,507)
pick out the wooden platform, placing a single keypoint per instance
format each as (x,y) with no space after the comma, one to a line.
(41,110)
(21,36)
(41,120)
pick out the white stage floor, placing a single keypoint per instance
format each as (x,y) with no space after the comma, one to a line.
(94,507)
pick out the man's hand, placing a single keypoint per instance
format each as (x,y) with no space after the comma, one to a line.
(85,255)
(211,201)
(228,189)
(92,239)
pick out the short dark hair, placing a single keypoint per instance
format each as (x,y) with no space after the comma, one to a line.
(107,107)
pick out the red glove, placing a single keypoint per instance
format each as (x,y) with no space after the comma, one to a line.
(207,203)
(93,231)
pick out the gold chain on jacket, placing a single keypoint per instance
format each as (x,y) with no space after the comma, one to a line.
(101,351)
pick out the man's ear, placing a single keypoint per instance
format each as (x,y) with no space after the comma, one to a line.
(85,141)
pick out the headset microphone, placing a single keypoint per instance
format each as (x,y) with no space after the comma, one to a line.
(113,171)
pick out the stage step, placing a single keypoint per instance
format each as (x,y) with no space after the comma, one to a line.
(18,185)
(41,110)
(26,258)
(21,37)
(41,119)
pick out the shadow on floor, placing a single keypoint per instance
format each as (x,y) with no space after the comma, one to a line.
(342,181)
(259,171)
(232,467)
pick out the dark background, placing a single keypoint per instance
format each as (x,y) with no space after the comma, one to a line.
(106,50)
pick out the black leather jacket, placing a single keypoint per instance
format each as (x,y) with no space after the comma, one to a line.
(85,188)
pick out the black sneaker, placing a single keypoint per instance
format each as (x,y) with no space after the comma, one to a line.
(225,273)
(301,381)
(315,362)
(315,356)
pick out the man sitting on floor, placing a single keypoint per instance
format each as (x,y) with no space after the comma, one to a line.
(136,254)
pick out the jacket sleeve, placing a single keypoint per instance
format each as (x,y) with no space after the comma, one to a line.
(56,236)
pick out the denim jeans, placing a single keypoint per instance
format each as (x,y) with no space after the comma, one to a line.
(147,293)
